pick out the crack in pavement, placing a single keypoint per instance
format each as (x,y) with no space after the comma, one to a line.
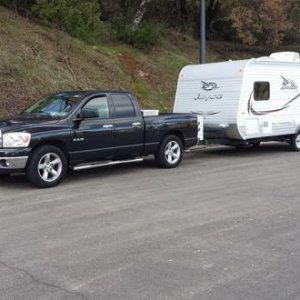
(50,285)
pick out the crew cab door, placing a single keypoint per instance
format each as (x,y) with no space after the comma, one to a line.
(129,127)
(93,135)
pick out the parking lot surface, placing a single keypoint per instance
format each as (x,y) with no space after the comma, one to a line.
(223,225)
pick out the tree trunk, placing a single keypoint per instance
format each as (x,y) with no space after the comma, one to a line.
(140,13)
(213,9)
(183,10)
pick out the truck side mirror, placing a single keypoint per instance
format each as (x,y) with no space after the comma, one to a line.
(89,113)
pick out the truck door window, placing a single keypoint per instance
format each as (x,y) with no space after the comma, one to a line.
(261,91)
(101,104)
(123,106)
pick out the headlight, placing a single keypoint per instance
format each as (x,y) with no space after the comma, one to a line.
(16,139)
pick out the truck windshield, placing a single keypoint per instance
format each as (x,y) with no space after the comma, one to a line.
(54,106)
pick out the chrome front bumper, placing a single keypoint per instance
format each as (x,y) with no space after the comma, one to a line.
(13,163)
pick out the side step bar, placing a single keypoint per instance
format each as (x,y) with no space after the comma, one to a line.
(104,164)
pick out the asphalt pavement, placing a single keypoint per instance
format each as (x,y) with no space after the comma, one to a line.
(223,225)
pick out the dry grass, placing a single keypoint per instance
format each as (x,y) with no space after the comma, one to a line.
(35,60)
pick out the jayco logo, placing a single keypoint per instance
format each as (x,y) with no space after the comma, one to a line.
(288,84)
(209,86)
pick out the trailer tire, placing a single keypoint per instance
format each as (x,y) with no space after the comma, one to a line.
(295,142)
(47,166)
(170,152)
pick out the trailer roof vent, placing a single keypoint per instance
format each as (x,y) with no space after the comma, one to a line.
(286,56)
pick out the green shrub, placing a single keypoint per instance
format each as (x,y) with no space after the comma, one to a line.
(79,18)
(145,36)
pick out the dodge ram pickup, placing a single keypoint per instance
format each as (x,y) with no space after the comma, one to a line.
(87,129)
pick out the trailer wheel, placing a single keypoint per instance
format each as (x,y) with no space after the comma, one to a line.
(170,152)
(295,142)
(47,166)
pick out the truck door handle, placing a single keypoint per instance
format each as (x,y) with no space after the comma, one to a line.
(108,126)
(136,124)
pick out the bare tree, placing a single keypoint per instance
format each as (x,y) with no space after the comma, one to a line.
(213,9)
(140,13)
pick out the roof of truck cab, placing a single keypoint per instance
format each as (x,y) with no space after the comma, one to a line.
(91,92)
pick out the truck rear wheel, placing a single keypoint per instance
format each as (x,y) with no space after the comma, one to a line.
(295,142)
(170,152)
(47,166)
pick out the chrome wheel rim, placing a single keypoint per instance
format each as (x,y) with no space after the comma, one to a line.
(298,141)
(172,152)
(50,167)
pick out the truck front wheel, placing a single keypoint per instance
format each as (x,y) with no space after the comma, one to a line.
(170,152)
(47,166)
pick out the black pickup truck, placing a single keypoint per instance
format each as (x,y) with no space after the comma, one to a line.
(87,129)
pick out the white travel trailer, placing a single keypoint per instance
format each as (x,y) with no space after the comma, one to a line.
(245,102)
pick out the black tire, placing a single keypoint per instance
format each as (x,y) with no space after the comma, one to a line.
(163,159)
(41,172)
(295,142)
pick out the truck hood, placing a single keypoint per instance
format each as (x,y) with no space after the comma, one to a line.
(26,124)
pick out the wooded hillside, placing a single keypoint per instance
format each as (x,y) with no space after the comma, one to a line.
(141,22)
(135,45)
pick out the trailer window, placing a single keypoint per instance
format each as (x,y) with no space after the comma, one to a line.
(261,91)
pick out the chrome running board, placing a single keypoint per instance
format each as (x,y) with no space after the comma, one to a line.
(187,151)
(104,164)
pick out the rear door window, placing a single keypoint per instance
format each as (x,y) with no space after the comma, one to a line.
(123,106)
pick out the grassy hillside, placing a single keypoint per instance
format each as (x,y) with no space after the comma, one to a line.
(36,60)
